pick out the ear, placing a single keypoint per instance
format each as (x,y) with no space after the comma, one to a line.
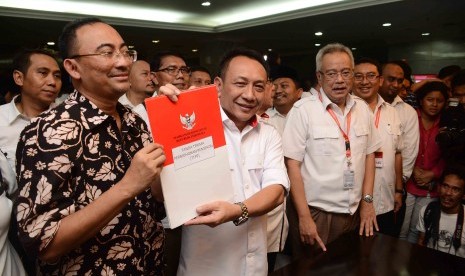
(299,92)
(319,76)
(18,77)
(381,80)
(71,67)
(153,76)
(219,85)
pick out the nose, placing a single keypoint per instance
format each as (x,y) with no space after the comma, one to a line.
(249,93)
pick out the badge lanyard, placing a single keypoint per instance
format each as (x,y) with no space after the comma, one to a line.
(378,114)
(346,137)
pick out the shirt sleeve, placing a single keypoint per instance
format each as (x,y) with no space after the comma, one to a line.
(411,140)
(44,165)
(274,168)
(295,134)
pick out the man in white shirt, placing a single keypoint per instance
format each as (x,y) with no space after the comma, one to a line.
(141,85)
(388,187)
(392,77)
(441,224)
(329,142)
(230,238)
(38,76)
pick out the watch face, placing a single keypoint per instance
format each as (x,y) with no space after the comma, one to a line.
(240,220)
(368,198)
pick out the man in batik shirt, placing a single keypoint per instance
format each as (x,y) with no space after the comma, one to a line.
(87,173)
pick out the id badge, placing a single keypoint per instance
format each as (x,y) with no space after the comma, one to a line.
(379,159)
(348,179)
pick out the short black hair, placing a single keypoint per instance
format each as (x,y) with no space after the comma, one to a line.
(283,71)
(428,87)
(22,59)
(156,60)
(447,71)
(456,169)
(369,61)
(458,79)
(199,68)
(246,52)
(67,39)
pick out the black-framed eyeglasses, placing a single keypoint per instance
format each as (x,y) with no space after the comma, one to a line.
(332,75)
(369,76)
(114,55)
(173,70)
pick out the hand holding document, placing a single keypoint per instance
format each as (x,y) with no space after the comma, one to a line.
(196,170)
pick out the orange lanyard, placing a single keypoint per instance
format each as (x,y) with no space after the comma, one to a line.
(378,114)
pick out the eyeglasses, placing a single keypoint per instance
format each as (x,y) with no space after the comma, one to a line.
(173,71)
(369,77)
(114,55)
(332,75)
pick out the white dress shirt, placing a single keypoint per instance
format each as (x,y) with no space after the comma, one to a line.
(311,136)
(410,135)
(389,129)
(256,160)
(126,102)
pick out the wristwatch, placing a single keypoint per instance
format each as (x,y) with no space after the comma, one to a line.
(368,198)
(244,215)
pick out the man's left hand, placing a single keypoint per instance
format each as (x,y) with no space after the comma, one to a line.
(216,213)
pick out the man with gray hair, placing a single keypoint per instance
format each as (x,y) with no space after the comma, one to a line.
(329,142)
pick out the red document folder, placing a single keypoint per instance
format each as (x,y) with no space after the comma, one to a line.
(196,170)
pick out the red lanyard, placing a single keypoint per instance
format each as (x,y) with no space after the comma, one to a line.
(346,137)
(378,114)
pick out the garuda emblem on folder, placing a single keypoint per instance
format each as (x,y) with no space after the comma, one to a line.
(187,121)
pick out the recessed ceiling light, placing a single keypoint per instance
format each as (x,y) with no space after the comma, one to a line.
(269,50)
(155,41)
(194,50)
(317,44)
(386,24)
(265,57)
(206,4)
(51,43)
(318,33)
(425,34)
(353,48)
(131,46)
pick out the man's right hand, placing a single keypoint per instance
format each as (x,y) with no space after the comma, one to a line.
(309,233)
(145,167)
(170,91)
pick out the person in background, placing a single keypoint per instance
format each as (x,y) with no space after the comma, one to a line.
(169,67)
(141,85)
(446,74)
(422,186)
(90,199)
(329,143)
(441,223)
(200,76)
(388,187)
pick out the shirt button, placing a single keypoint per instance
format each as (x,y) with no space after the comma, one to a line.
(246,187)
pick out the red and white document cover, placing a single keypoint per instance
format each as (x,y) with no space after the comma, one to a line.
(196,170)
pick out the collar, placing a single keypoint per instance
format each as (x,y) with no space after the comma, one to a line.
(12,112)
(92,116)
(326,101)
(253,122)
(435,124)
(272,112)
(397,100)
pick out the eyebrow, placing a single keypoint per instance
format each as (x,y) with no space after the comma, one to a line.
(110,45)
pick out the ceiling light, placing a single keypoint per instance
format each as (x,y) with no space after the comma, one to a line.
(131,47)
(353,49)
(155,41)
(269,50)
(317,44)
(425,34)
(265,57)
(386,24)
(51,43)
(206,4)
(194,50)
(318,33)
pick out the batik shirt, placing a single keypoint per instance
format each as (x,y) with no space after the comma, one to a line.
(67,158)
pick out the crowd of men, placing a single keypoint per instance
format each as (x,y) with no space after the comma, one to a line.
(351,154)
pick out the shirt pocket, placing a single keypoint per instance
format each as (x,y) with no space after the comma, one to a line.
(325,141)
(394,132)
(359,144)
(254,164)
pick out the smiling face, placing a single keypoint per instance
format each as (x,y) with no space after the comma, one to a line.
(285,94)
(242,89)
(179,79)
(41,83)
(337,88)
(102,77)
(366,81)
(391,82)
